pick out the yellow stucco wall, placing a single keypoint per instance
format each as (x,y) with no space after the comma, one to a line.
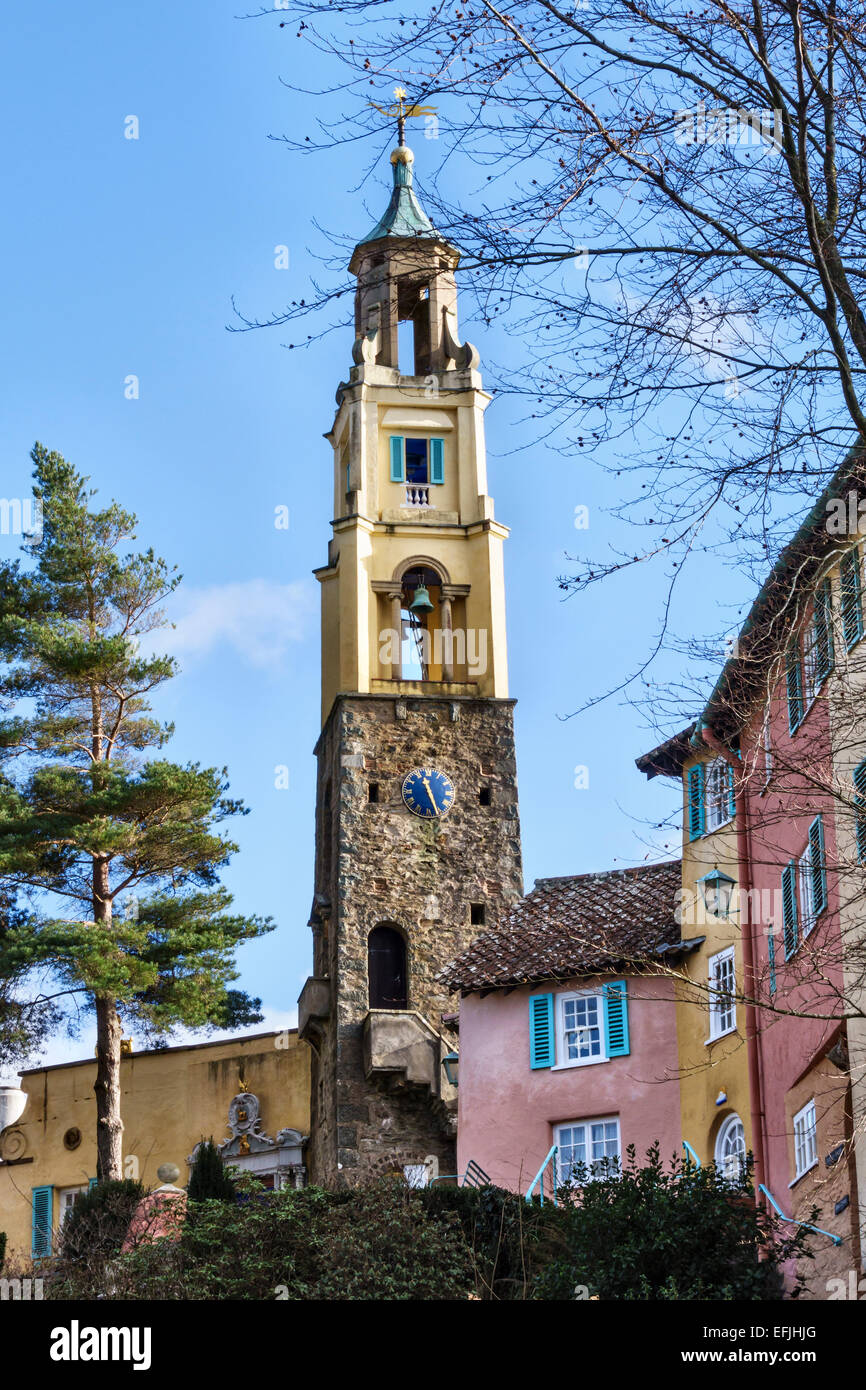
(376,533)
(170,1100)
(708,1068)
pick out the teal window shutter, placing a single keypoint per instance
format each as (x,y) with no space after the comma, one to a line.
(789,907)
(695,785)
(43,1214)
(819,865)
(542,1044)
(860,810)
(616,1018)
(437,460)
(91,1183)
(398,456)
(771,959)
(823,625)
(795,687)
(732,793)
(850,598)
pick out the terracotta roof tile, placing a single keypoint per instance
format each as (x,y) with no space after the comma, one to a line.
(579,925)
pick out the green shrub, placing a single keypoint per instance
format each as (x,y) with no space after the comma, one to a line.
(678,1233)
(373,1243)
(209,1179)
(2,1249)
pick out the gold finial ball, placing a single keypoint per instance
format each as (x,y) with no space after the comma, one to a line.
(402,155)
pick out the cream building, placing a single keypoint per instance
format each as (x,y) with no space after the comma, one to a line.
(250,1094)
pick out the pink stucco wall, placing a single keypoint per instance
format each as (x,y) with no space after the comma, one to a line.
(507,1111)
(779,818)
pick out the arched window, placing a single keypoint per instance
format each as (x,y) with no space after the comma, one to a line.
(386,969)
(417,643)
(731,1148)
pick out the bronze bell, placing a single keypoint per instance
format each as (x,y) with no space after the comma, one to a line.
(421,601)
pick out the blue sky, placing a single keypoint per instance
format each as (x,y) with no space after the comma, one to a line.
(121,258)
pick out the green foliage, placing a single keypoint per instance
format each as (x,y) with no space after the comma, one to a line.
(663,1233)
(651,1233)
(130,848)
(2,1250)
(373,1243)
(510,1238)
(97,1224)
(209,1179)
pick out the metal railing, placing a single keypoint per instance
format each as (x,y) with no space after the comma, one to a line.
(837,1240)
(538,1180)
(690,1153)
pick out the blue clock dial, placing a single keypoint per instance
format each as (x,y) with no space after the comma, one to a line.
(428,793)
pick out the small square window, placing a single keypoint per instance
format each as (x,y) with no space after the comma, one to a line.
(484,796)
(477,914)
(588,1149)
(373,793)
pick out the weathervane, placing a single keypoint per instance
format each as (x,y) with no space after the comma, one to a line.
(401,111)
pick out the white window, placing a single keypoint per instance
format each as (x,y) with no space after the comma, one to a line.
(811,678)
(805,1139)
(722,981)
(593,1143)
(805,875)
(580,1028)
(731,1148)
(68,1197)
(717,794)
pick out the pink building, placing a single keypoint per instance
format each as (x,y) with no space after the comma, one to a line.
(568,1027)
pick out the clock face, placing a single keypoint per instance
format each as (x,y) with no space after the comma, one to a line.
(428,793)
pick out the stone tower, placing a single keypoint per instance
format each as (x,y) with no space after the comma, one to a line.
(417,829)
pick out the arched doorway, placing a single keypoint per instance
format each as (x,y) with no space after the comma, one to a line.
(386,969)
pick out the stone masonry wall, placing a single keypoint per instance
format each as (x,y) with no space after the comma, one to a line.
(384,864)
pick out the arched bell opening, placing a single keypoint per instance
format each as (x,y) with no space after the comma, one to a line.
(387,974)
(421,619)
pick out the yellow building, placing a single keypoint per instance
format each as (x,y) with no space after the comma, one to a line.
(713,1063)
(250,1094)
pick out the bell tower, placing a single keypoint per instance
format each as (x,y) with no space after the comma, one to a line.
(417,829)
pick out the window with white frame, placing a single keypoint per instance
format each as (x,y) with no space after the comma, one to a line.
(805,1139)
(811,676)
(730,1154)
(68,1197)
(591,1144)
(717,794)
(723,1008)
(580,1029)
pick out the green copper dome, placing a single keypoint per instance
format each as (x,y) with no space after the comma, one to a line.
(404,216)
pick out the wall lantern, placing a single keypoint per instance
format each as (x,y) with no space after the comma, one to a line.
(716,890)
(450,1062)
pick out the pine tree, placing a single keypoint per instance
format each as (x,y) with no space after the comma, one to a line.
(120,854)
(209,1177)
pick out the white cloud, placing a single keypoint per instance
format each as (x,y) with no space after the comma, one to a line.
(257,619)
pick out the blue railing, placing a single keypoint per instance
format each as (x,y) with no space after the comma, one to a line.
(690,1153)
(837,1240)
(538,1180)
(474,1176)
